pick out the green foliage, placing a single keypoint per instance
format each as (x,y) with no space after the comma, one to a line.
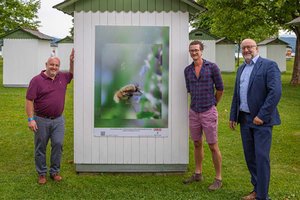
(18,13)
(282,11)
(19,180)
(240,19)
(71,32)
(237,19)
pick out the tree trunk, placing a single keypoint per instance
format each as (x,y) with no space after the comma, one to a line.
(238,55)
(296,69)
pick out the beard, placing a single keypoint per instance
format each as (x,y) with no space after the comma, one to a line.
(248,57)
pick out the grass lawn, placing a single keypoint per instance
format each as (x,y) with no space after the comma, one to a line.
(18,179)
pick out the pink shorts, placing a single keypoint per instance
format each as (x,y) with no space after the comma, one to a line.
(206,122)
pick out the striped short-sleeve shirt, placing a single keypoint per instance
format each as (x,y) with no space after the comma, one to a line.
(202,89)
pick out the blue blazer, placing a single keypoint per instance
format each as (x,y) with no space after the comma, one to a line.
(264,92)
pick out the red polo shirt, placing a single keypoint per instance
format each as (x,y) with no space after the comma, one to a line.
(49,95)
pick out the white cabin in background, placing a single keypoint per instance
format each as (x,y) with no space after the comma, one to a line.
(63,51)
(225,58)
(25,52)
(209,42)
(216,50)
(274,49)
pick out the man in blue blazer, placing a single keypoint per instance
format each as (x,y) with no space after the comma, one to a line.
(254,105)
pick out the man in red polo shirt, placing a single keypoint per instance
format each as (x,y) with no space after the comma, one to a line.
(45,101)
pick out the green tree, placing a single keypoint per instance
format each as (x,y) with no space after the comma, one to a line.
(240,19)
(284,12)
(18,13)
(71,32)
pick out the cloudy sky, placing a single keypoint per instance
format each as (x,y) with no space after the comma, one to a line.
(53,22)
(57,24)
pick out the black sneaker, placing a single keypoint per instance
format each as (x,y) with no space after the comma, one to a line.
(193,178)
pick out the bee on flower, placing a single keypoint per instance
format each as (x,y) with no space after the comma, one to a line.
(126,92)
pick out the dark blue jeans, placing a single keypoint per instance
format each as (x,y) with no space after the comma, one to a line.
(52,129)
(257,144)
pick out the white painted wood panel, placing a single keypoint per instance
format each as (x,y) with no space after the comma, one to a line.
(277,54)
(103,151)
(135,142)
(79,70)
(159,142)
(130,150)
(167,142)
(182,121)
(127,147)
(149,19)
(43,52)
(143,140)
(111,141)
(225,57)
(95,140)
(63,52)
(32,56)
(209,52)
(19,71)
(174,80)
(120,140)
(88,86)
(262,51)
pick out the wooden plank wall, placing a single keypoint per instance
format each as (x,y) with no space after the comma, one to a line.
(129,150)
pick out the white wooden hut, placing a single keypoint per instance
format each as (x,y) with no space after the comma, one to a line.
(209,42)
(130,149)
(217,50)
(274,49)
(63,50)
(225,55)
(24,54)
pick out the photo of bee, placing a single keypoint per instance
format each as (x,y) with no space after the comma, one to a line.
(127,92)
(131,89)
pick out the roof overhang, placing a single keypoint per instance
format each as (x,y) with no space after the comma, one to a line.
(195,5)
(68,6)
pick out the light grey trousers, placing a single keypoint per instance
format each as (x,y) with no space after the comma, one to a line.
(52,129)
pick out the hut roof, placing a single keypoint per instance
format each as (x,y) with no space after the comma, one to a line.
(200,34)
(69,6)
(26,33)
(224,40)
(67,39)
(272,41)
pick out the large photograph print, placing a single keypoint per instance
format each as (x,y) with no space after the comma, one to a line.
(131,81)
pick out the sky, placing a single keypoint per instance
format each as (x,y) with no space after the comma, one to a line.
(283,33)
(57,24)
(53,22)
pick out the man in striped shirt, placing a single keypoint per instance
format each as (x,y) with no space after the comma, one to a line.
(202,78)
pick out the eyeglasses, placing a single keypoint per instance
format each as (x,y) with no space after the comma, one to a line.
(248,47)
(194,50)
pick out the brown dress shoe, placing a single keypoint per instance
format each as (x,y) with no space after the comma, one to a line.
(250,196)
(56,177)
(42,179)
